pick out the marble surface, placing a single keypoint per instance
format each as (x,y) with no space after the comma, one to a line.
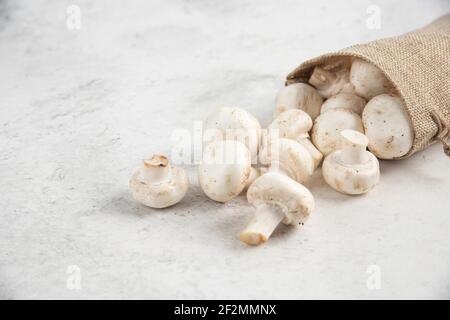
(80,107)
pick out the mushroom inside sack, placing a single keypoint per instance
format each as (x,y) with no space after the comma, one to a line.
(299,96)
(388,127)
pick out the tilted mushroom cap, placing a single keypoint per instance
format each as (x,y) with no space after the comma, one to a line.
(329,83)
(291,157)
(368,80)
(158,184)
(295,200)
(327,127)
(299,96)
(225,169)
(351,170)
(231,123)
(388,127)
(292,124)
(347,101)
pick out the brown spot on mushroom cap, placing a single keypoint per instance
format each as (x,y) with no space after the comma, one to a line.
(156,160)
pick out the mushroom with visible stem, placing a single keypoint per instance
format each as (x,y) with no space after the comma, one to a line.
(278,194)
(295,124)
(329,83)
(158,184)
(368,80)
(353,169)
(299,96)
(326,130)
(277,198)
(347,101)
(231,123)
(225,170)
(388,127)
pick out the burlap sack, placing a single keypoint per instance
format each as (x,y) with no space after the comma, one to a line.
(418,64)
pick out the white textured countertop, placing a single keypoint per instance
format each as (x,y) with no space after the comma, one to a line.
(80,107)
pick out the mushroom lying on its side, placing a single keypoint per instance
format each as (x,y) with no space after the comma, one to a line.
(327,127)
(158,184)
(388,127)
(351,170)
(331,83)
(278,194)
(276,198)
(299,96)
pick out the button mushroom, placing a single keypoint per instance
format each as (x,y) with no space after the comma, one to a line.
(288,157)
(158,184)
(295,124)
(278,194)
(368,80)
(299,96)
(231,123)
(347,101)
(327,127)
(225,169)
(277,198)
(388,127)
(330,83)
(351,170)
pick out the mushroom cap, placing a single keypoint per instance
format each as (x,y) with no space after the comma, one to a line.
(160,194)
(225,169)
(232,123)
(292,157)
(295,200)
(328,126)
(368,80)
(388,127)
(351,178)
(299,96)
(344,100)
(292,124)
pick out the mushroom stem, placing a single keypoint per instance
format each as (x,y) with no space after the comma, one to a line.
(354,146)
(266,219)
(156,169)
(321,78)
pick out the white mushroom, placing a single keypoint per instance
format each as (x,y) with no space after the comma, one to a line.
(327,127)
(330,83)
(158,184)
(254,173)
(230,123)
(299,96)
(388,127)
(351,170)
(288,157)
(295,124)
(278,194)
(368,80)
(347,101)
(277,198)
(225,169)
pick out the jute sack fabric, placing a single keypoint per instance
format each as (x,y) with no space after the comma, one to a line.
(418,65)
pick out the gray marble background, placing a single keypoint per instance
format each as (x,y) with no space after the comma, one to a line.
(80,107)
